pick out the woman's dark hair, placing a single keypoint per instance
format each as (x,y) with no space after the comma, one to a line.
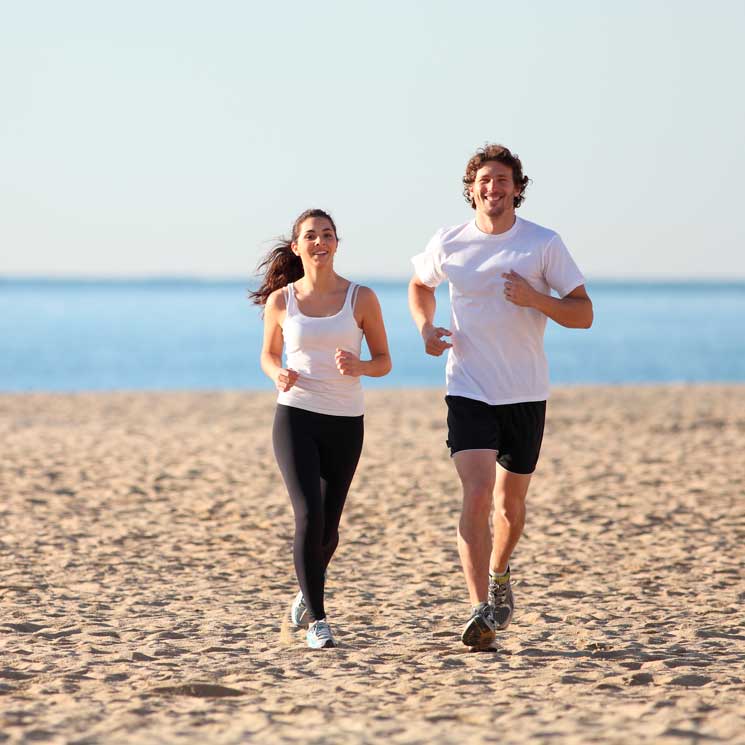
(281,266)
(500,154)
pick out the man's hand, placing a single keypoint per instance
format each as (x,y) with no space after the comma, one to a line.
(348,363)
(433,344)
(518,291)
(285,379)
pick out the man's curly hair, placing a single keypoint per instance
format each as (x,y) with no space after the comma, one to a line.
(500,154)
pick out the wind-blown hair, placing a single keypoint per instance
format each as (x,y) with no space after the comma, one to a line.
(281,266)
(500,154)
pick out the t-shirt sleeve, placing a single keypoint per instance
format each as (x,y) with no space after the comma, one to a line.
(559,269)
(428,264)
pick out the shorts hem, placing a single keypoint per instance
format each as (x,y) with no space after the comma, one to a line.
(518,473)
(453,453)
(465,450)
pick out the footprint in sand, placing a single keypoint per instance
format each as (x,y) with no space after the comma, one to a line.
(197,690)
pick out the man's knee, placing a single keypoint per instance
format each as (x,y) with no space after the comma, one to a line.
(510,509)
(477,498)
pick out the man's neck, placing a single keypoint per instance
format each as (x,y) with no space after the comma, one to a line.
(495,225)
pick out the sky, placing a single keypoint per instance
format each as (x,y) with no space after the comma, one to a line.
(166,137)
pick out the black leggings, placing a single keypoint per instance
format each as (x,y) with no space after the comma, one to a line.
(318,455)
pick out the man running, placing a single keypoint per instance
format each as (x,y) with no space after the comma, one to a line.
(501,270)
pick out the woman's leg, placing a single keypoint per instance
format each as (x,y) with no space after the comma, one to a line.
(296,449)
(340,450)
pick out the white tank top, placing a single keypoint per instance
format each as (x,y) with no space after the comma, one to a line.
(310,346)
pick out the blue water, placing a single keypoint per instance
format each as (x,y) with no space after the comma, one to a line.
(58,335)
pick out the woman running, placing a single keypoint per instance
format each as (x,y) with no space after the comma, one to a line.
(320,318)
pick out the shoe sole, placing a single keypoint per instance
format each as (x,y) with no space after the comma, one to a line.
(477,633)
(328,644)
(490,647)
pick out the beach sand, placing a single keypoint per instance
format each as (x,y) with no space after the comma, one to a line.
(146,573)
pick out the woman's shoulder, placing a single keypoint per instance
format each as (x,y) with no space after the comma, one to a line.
(365,297)
(277,300)
(365,291)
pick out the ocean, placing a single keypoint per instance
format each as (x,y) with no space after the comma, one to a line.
(172,334)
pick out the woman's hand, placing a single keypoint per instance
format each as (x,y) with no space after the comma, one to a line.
(348,363)
(285,379)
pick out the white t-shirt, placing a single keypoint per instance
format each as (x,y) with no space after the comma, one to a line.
(497,355)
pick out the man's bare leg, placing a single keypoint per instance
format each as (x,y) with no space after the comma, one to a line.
(477,470)
(508,523)
(509,516)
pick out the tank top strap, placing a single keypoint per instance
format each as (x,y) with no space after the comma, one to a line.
(290,304)
(351,296)
(355,292)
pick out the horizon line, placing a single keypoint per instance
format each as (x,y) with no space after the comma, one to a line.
(232,279)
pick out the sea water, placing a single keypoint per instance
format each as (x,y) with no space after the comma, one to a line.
(76,335)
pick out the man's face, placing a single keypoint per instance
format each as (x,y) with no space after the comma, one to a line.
(493,190)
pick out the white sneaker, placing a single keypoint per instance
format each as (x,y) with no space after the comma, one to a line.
(299,616)
(319,635)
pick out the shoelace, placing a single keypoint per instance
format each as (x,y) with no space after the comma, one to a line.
(321,630)
(498,592)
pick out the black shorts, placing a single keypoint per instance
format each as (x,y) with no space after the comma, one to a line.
(515,431)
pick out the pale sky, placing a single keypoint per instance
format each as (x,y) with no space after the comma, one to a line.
(166,137)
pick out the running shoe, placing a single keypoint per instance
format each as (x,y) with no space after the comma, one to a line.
(319,635)
(479,631)
(501,599)
(299,616)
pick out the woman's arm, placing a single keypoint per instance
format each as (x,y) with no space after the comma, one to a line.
(271,349)
(369,317)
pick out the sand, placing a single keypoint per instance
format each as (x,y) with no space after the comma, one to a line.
(145,575)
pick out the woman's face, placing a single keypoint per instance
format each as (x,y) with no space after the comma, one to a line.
(316,242)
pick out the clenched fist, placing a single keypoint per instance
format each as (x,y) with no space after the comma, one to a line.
(518,290)
(348,363)
(285,379)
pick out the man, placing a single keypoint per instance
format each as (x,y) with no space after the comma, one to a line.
(501,270)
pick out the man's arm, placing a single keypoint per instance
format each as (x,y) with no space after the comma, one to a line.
(573,310)
(422,305)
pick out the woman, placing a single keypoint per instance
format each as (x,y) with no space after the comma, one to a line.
(320,318)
